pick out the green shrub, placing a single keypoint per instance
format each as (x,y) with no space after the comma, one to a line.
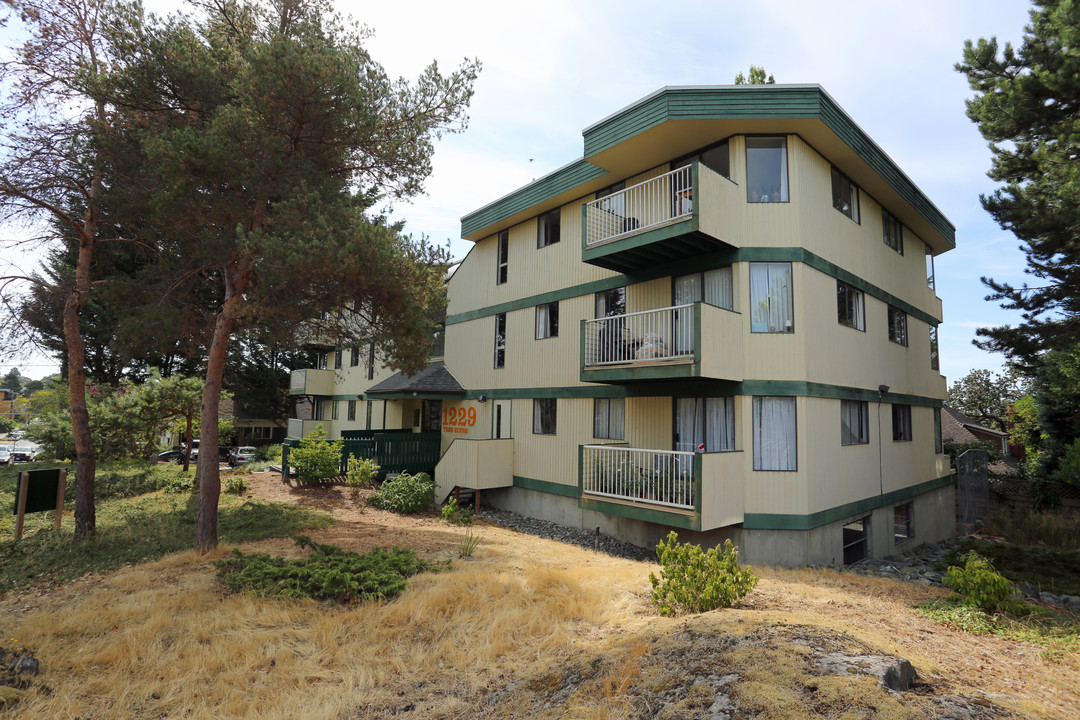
(978,584)
(316,459)
(360,472)
(692,581)
(180,483)
(470,540)
(405,494)
(328,573)
(454,513)
(268,453)
(236,484)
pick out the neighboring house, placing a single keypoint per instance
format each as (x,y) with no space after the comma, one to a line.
(14,407)
(720,320)
(957,426)
(251,430)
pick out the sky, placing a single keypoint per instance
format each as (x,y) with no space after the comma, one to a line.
(552,69)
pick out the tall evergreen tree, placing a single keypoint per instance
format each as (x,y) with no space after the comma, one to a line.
(256,140)
(1026,105)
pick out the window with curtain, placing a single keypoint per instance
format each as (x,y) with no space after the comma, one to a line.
(333,410)
(901,423)
(708,422)
(500,340)
(850,310)
(766,169)
(771,302)
(892,231)
(938,446)
(354,357)
(547,228)
(775,434)
(337,359)
(854,422)
(929,268)
(502,261)
(547,320)
(352,411)
(935,363)
(611,302)
(845,195)
(897,326)
(544,416)
(609,418)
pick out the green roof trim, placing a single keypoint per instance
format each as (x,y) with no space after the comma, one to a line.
(732,102)
(565,178)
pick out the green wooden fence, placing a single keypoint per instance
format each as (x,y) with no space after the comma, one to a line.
(393,450)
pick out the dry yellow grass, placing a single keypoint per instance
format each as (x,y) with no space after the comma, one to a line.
(528,628)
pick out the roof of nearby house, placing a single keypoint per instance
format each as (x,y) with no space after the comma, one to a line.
(434,379)
(226,408)
(957,426)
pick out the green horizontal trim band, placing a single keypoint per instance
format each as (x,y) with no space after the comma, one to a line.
(675,388)
(546,486)
(532,195)
(697,264)
(645,514)
(411,396)
(775,521)
(801,388)
(644,239)
(666,371)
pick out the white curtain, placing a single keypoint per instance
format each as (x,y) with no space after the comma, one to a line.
(771,302)
(689,424)
(720,421)
(543,321)
(718,288)
(774,433)
(783,171)
(853,422)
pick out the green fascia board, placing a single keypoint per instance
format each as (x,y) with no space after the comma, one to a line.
(801,388)
(695,264)
(645,514)
(665,371)
(734,102)
(546,486)
(409,396)
(649,237)
(776,521)
(535,193)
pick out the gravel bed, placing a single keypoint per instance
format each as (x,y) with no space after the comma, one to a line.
(590,540)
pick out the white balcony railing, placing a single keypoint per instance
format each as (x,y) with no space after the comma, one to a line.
(654,477)
(649,335)
(648,204)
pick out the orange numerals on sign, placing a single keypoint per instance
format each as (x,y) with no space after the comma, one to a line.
(459,416)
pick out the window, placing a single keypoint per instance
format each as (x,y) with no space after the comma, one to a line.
(321,358)
(367,421)
(547,228)
(500,340)
(771,308)
(547,320)
(705,423)
(849,306)
(901,423)
(935,363)
(855,541)
(352,411)
(371,361)
(716,157)
(503,255)
(544,416)
(354,357)
(774,433)
(317,410)
(611,302)
(897,326)
(609,418)
(854,422)
(712,286)
(845,195)
(929,268)
(938,447)
(337,359)
(903,526)
(766,170)
(892,231)
(333,410)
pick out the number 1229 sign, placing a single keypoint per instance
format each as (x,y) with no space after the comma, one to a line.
(458,419)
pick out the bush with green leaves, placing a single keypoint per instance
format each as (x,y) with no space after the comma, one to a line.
(316,459)
(405,494)
(693,581)
(978,584)
(361,472)
(268,453)
(236,484)
(328,573)
(454,513)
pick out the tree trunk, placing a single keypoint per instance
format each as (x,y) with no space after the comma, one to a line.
(206,538)
(186,454)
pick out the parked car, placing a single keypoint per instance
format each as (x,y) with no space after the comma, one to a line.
(241,455)
(22,454)
(171,456)
(5,456)
(15,435)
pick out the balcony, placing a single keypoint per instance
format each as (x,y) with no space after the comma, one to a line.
(673,216)
(690,341)
(311,382)
(300,428)
(696,491)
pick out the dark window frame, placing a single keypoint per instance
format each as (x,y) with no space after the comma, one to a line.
(502,259)
(935,351)
(500,341)
(901,423)
(841,185)
(546,421)
(351,415)
(898,326)
(549,228)
(787,169)
(903,523)
(861,434)
(892,231)
(845,305)
(607,431)
(552,327)
(354,356)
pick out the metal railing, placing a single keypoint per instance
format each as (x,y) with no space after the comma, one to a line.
(639,207)
(656,477)
(663,334)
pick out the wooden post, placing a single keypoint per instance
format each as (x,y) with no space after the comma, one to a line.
(20,502)
(476,500)
(61,488)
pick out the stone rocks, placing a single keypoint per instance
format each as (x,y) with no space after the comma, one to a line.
(893,672)
(589,539)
